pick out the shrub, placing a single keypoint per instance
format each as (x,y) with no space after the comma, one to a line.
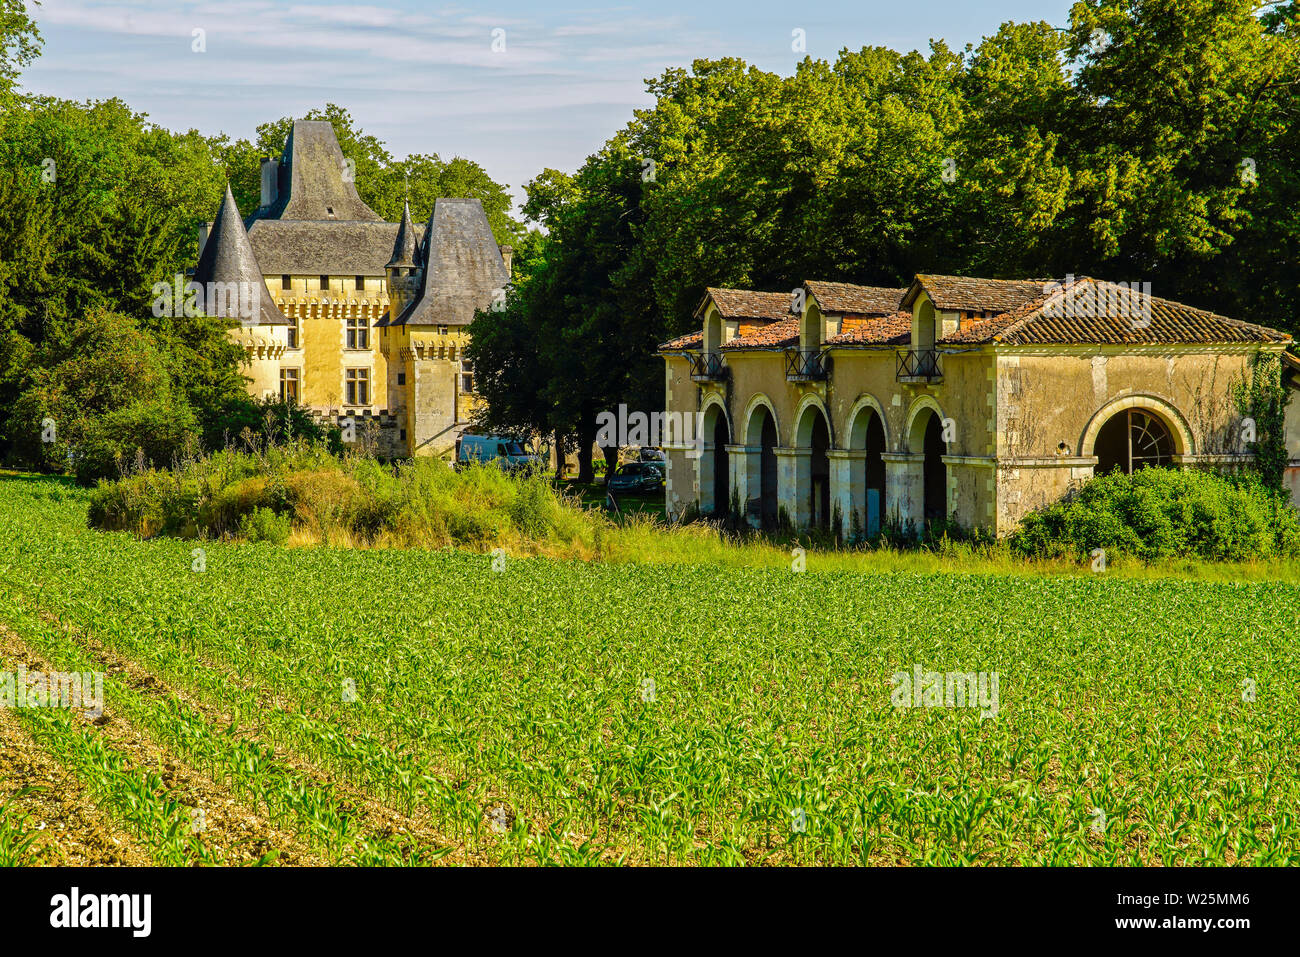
(262,494)
(264,525)
(1161,513)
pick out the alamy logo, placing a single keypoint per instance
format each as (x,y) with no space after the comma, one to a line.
(133,911)
(224,300)
(1098,300)
(955,689)
(82,691)
(672,429)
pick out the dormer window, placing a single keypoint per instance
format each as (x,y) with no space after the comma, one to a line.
(329,211)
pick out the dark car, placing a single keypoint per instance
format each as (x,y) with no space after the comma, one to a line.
(637,477)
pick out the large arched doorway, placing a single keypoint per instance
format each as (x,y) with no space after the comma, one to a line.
(1133,439)
(761,477)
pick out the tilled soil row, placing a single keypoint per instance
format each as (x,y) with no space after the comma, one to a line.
(73,831)
(238,834)
(377,819)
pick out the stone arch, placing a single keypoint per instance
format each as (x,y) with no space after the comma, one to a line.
(1161,408)
(914,434)
(855,426)
(866,435)
(801,435)
(813,441)
(757,400)
(761,437)
(715,463)
(712,400)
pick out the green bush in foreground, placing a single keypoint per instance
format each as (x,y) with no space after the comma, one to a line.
(1161,513)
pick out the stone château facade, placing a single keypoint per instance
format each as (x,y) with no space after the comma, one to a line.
(362,318)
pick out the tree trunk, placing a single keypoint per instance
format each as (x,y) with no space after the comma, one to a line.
(611,461)
(559,455)
(586,439)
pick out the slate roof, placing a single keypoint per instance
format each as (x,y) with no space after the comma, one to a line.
(1094,311)
(228,257)
(842,297)
(747,303)
(404,245)
(463,267)
(774,335)
(324,248)
(311,179)
(971,294)
(884,331)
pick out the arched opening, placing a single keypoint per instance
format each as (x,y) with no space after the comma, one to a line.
(814,470)
(819,466)
(868,476)
(873,474)
(925,326)
(714,472)
(1132,439)
(721,466)
(761,479)
(925,437)
(936,473)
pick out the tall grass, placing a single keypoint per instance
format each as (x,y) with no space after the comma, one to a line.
(302,495)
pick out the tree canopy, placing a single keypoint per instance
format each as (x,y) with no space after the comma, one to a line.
(1149,141)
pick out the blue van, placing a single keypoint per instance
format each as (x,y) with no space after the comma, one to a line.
(505,452)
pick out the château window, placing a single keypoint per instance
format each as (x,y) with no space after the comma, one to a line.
(289,385)
(292,333)
(358,333)
(361,283)
(286,282)
(466,376)
(324,283)
(401,378)
(358,386)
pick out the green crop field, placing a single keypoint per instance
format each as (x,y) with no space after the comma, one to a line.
(319,705)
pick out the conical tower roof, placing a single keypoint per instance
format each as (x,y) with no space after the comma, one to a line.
(404,246)
(227,257)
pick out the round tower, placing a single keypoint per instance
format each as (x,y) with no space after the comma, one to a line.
(403,268)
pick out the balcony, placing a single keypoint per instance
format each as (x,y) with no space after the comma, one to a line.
(707,367)
(919,365)
(806,365)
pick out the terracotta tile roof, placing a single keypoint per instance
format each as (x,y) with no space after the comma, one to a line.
(774,335)
(692,340)
(1094,311)
(748,304)
(860,300)
(968,293)
(885,331)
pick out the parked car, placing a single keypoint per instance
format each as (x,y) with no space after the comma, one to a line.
(639,477)
(505,452)
(651,454)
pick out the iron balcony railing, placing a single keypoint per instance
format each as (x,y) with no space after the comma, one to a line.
(707,366)
(801,365)
(919,364)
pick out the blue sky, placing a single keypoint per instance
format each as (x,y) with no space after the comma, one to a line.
(424,77)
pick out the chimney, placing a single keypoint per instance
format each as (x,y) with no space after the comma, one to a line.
(270,180)
(508,254)
(203,236)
